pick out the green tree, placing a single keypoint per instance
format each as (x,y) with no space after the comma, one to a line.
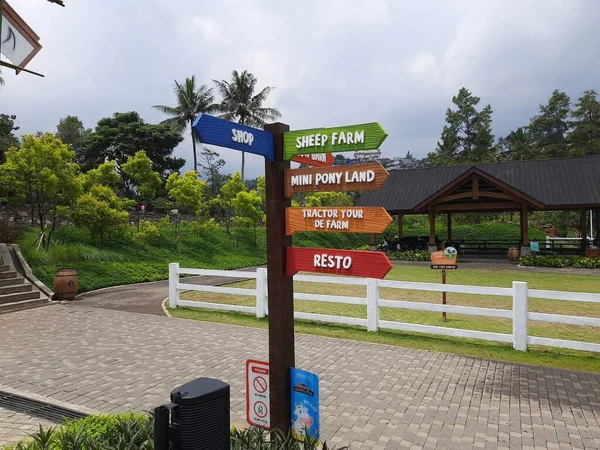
(467,136)
(261,188)
(46,175)
(140,176)
(186,192)
(549,128)
(229,191)
(517,145)
(191,101)
(103,175)
(70,130)
(316,199)
(247,206)
(339,159)
(99,210)
(118,137)
(584,137)
(240,103)
(211,164)
(7,137)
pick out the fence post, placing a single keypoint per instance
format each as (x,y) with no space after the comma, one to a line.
(261,292)
(372,305)
(173,280)
(520,294)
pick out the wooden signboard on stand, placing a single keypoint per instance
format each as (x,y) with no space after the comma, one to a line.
(347,219)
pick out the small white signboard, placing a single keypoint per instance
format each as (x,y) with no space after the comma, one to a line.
(257,394)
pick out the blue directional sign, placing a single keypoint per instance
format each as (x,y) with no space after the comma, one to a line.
(223,133)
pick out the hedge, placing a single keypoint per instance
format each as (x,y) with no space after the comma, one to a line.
(579,262)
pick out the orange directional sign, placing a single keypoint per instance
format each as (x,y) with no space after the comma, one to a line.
(347,219)
(356,177)
(315,160)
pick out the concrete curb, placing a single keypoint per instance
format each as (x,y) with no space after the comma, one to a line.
(29,274)
(164,307)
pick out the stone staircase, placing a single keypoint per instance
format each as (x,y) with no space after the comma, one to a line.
(16,292)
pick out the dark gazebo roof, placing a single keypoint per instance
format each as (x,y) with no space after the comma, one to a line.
(550,184)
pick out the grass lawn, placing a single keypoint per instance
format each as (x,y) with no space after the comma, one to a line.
(550,357)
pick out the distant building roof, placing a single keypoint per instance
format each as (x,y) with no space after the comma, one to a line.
(565,183)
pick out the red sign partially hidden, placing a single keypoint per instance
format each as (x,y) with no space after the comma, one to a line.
(315,159)
(338,262)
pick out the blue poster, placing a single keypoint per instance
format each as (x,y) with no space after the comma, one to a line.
(305,404)
(534,246)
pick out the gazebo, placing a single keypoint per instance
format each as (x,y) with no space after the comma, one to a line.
(521,186)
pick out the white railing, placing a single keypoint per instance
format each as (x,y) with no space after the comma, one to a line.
(519,292)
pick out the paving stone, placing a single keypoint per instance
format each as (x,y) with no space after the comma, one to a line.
(373,396)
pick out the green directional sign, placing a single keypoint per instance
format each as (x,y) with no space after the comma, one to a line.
(351,138)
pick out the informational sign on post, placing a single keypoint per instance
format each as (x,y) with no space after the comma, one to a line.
(444,259)
(305,404)
(257,394)
(315,160)
(347,219)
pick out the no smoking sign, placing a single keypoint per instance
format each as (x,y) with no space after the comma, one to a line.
(257,394)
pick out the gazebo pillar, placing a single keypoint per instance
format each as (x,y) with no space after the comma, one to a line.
(449,220)
(583,227)
(431,227)
(524,226)
(400,216)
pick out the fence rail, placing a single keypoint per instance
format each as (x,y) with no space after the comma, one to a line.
(519,292)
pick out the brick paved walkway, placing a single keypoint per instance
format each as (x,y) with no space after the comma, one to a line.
(373,396)
(14,425)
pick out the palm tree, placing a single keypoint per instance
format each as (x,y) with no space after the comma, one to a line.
(1,79)
(191,101)
(241,104)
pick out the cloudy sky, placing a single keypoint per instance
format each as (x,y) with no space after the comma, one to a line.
(333,62)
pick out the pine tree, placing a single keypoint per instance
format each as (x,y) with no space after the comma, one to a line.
(549,128)
(584,137)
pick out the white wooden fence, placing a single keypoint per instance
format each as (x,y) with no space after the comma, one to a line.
(519,292)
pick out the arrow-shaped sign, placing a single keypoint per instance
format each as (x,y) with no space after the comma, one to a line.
(339,262)
(315,160)
(355,177)
(350,138)
(223,133)
(348,219)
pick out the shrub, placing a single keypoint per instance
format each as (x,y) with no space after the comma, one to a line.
(135,431)
(9,231)
(422,255)
(579,262)
(147,232)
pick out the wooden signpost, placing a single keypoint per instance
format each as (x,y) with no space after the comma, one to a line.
(355,177)
(356,263)
(278,145)
(350,138)
(347,219)
(315,160)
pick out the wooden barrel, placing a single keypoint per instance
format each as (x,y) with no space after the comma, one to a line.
(513,253)
(66,284)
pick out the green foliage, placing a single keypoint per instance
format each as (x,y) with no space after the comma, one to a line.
(45,176)
(211,164)
(99,211)
(316,199)
(517,145)
(550,126)
(247,207)
(410,256)
(191,101)
(467,136)
(118,137)
(131,431)
(105,175)
(579,262)
(240,103)
(229,192)
(584,137)
(261,188)
(147,231)
(7,137)
(70,130)
(186,192)
(138,170)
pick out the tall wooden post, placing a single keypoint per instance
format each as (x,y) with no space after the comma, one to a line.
(449,217)
(524,226)
(280,286)
(431,226)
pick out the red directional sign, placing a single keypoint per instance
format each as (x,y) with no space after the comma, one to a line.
(338,262)
(315,160)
